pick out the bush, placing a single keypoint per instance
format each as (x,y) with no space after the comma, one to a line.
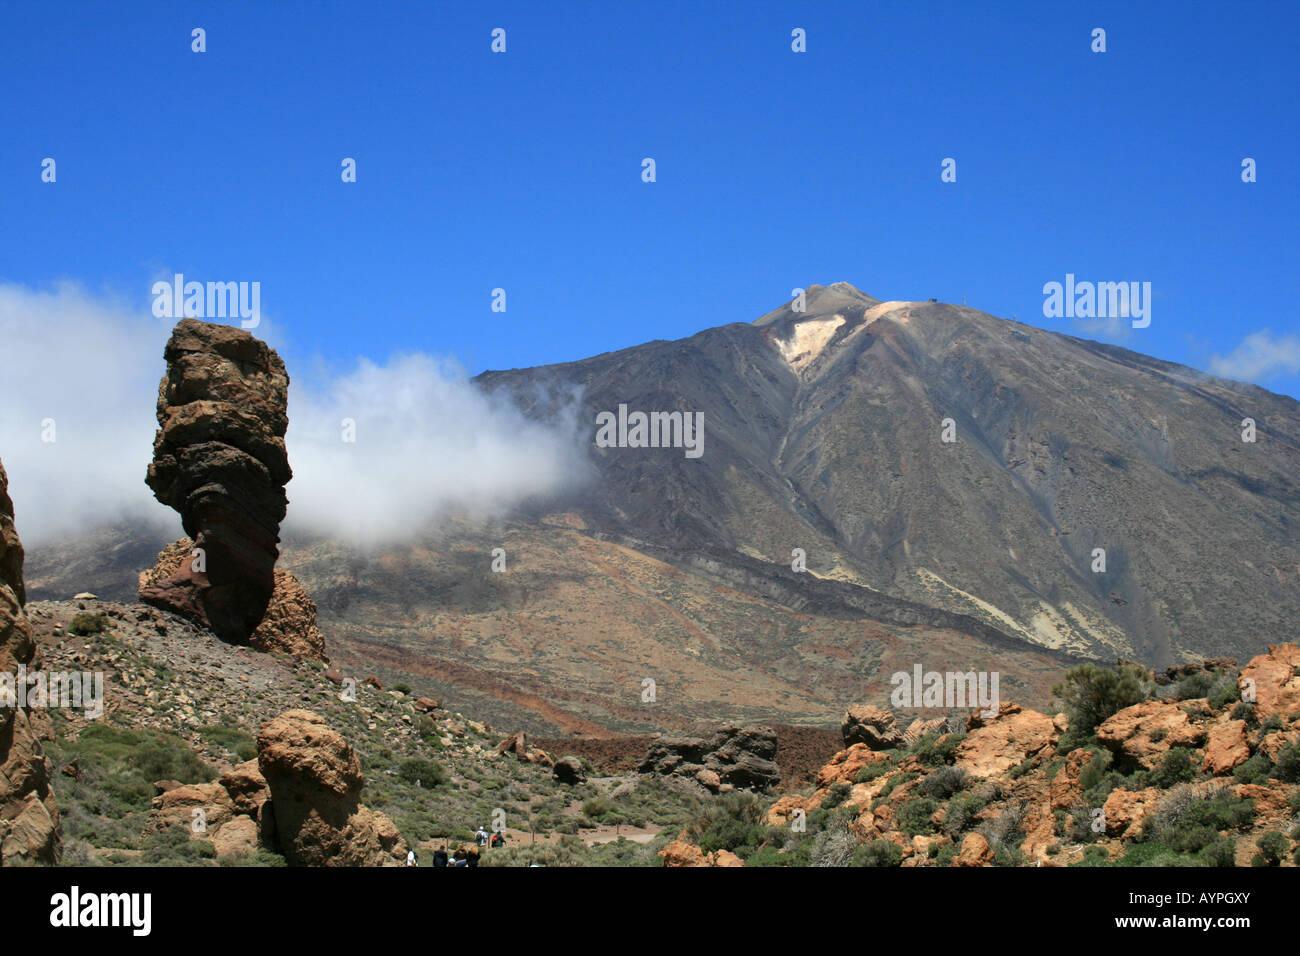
(1272,845)
(961,813)
(402,688)
(1177,767)
(944,782)
(84,625)
(839,792)
(1288,763)
(734,822)
(935,751)
(878,853)
(424,772)
(914,816)
(1254,770)
(233,739)
(1090,694)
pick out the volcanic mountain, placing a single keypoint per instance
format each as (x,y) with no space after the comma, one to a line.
(824,431)
(1092,503)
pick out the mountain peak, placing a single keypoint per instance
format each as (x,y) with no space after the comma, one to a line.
(821,300)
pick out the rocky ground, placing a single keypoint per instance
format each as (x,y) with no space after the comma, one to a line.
(184,715)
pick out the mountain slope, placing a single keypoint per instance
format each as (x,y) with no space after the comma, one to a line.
(823,432)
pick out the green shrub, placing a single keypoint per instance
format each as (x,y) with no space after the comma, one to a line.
(402,688)
(1226,692)
(873,770)
(1090,694)
(839,792)
(878,853)
(914,816)
(1177,767)
(935,750)
(1272,845)
(734,822)
(86,624)
(424,772)
(1254,770)
(944,782)
(1288,763)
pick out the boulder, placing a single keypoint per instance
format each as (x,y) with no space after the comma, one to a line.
(568,769)
(1274,678)
(870,725)
(315,782)
(1226,747)
(29,814)
(219,460)
(975,851)
(994,745)
(845,766)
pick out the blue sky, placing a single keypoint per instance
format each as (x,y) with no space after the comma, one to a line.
(774,169)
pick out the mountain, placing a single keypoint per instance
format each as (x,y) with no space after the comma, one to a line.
(822,431)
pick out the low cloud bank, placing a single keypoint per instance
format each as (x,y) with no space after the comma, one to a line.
(1259,357)
(78,389)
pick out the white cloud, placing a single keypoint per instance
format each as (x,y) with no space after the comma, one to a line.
(1260,356)
(427,440)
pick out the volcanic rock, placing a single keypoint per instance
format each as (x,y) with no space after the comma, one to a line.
(568,769)
(315,784)
(289,624)
(220,461)
(737,758)
(865,724)
(29,815)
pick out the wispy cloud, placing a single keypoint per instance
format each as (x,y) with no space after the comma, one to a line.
(1259,357)
(426,439)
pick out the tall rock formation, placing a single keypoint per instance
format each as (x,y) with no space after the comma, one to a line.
(220,461)
(29,816)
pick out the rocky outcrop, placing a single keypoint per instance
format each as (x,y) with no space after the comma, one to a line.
(315,782)
(682,853)
(517,744)
(866,724)
(1146,731)
(289,625)
(29,815)
(731,758)
(1274,679)
(995,745)
(300,798)
(233,813)
(220,461)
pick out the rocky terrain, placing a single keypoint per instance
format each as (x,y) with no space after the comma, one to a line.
(1201,768)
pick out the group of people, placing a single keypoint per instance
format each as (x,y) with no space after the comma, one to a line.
(462,855)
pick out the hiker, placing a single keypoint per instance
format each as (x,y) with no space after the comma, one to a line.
(481,836)
(410,857)
(440,856)
(498,839)
(473,857)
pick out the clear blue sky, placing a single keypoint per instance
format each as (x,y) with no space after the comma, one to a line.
(775,169)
